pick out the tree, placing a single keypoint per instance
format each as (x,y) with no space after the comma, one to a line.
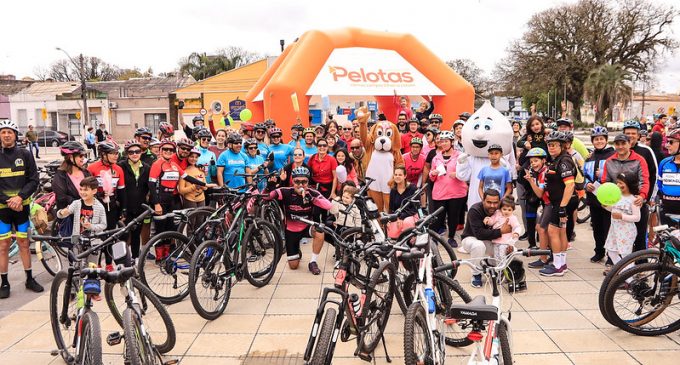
(564,44)
(606,86)
(202,65)
(131,73)
(94,69)
(469,70)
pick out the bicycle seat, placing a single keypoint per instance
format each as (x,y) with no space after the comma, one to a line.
(674,217)
(477,309)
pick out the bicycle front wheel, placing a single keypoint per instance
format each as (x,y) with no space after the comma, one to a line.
(377,306)
(210,279)
(90,340)
(505,351)
(157,320)
(417,337)
(644,300)
(49,257)
(163,266)
(260,253)
(63,328)
(323,342)
(136,350)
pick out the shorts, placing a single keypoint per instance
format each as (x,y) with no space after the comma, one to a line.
(19,220)
(293,243)
(555,217)
(544,219)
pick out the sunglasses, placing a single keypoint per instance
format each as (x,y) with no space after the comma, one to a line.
(168,149)
(300,182)
(355,147)
(322,145)
(259,131)
(146,138)
(206,139)
(185,148)
(347,129)
(134,152)
(298,155)
(274,136)
(252,148)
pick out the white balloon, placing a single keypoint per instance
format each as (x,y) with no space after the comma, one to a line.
(341,173)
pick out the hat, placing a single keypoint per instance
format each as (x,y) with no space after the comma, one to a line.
(621,138)
(495,147)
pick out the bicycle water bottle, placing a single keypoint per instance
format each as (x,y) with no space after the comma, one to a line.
(429,294)
(356,304)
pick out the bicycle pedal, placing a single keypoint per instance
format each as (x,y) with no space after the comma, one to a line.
(171,362)
(114,338)
(365,357)
(54,353)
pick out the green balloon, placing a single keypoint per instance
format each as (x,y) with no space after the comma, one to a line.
(608,194)
(245,115)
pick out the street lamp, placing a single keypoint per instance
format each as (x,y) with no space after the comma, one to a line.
(83,87)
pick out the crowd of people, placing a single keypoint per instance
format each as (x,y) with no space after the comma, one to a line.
(320,169)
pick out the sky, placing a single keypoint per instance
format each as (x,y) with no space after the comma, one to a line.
(158,34)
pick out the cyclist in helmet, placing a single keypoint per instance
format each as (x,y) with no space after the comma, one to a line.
(260,132)
(197,122)
(247,129)
(430,140)
(309,143)
(155,148)
(592,171)
(232,162)
(300,199)
(207,160)
(18,181)
(143,136)
(283,153)
(436,121)
(66,181)
(412,132)
(165,130)
(669,178)
(458,133)
(184,146)
(136,173)
(296,134)
(535,195)
(111,184)
(255,163)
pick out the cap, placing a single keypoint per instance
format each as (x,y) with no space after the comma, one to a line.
(621,138)
(495,147)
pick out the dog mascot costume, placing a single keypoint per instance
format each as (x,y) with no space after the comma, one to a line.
(487,126)
(383,146)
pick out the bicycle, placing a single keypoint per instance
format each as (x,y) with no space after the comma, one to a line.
(476,315)
(250,249)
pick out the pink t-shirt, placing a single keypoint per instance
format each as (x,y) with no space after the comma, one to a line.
(497,220)
(414,169)
(76,179)
(447,186)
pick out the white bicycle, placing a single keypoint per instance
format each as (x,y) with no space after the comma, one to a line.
(479,316)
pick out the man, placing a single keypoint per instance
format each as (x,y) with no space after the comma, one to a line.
(625,160)
(406,138)
(101,133)
(414,161)
(261,132)
(401,123)
(136,174)
(232,162)
(436,121)
(346,136)
(32,141)
(309,143)
(660,124)
(18,181)
(296,132)
(358,152)
(476,236)
(669,178)
(631,129)
(643,123)
(184,146)
(143,136)
(198,121)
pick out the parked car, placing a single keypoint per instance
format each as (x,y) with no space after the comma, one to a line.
(53,138)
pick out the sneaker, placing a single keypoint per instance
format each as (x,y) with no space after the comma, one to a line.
(33,285)
(572,237)
(596,258)
(314,268)
(551,270)
(453,243)
(110,268)
(4,292)
(523,237)
(462,249)
(476,281)
(538,264)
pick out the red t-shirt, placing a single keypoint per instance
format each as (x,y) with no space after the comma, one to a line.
(414,169)
(406,140)
(167,172)
(183,164)
(117,176)
(322,170)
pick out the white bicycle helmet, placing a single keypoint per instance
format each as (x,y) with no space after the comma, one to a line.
(6,123)
(447,135)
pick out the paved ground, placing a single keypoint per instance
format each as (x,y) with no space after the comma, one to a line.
(556,321)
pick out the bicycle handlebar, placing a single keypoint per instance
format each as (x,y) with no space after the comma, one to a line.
(483,263)
(115,277)
(119,232)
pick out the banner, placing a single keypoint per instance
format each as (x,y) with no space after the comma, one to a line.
(235,107)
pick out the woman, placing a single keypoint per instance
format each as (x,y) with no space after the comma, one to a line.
(447,190)
(600,218)
(193,196)
(414,162)
(345,170)
(254,162)
(400,192)
(221,146)
(332,145)
(71,172)
(322,167)
(207,160)
(430,141)
(286,176)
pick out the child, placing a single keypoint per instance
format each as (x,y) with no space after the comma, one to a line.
(535,177)
(338,206)
(502,244)
(88,213)
(625,213)
(495,176)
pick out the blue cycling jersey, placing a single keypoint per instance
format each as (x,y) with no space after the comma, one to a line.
(204,162)
(282,154)
(669,177)
(233,163)
(253,162)
(309,151)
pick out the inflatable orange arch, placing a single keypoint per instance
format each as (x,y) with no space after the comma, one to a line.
(297,67)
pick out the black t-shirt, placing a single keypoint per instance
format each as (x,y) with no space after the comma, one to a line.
(430,155)
(86,214)
(561,170)
(101,135)
(397,200)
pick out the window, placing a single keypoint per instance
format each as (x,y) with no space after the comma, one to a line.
(123,118)
(152,121)
(21,116)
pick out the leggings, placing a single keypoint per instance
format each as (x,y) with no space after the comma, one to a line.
(168,204)
(571,208)
(530,213)
(111,223)
(452,210)
(135,236)
(641,226)
(600,219)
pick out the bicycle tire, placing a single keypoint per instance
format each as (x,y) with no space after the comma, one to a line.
(616,270)
(167,283)
(639,287)
(145,295)
(209,279)
(91,339)
(199,215)
(50,258)
(371,306)
(136,351)
(257,242)
(415,321)
(505,356)
(323,341)
(444,289)
(583,205)
(56,301)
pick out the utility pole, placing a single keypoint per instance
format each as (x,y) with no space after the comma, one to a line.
(83,94)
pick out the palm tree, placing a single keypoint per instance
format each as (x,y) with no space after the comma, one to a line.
(202,65)
(606,86)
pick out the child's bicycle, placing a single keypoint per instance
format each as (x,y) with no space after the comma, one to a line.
(479,316)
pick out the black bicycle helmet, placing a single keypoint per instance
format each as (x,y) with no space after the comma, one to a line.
(249,142)
(234,138)
(300,172)
(107,147)
(198,118)
(556,136)
(260,127)
(71,148)
(142,131)
(203,133)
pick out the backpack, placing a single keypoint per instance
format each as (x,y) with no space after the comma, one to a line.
(579,179)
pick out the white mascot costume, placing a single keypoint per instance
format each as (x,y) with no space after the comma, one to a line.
(487,126)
